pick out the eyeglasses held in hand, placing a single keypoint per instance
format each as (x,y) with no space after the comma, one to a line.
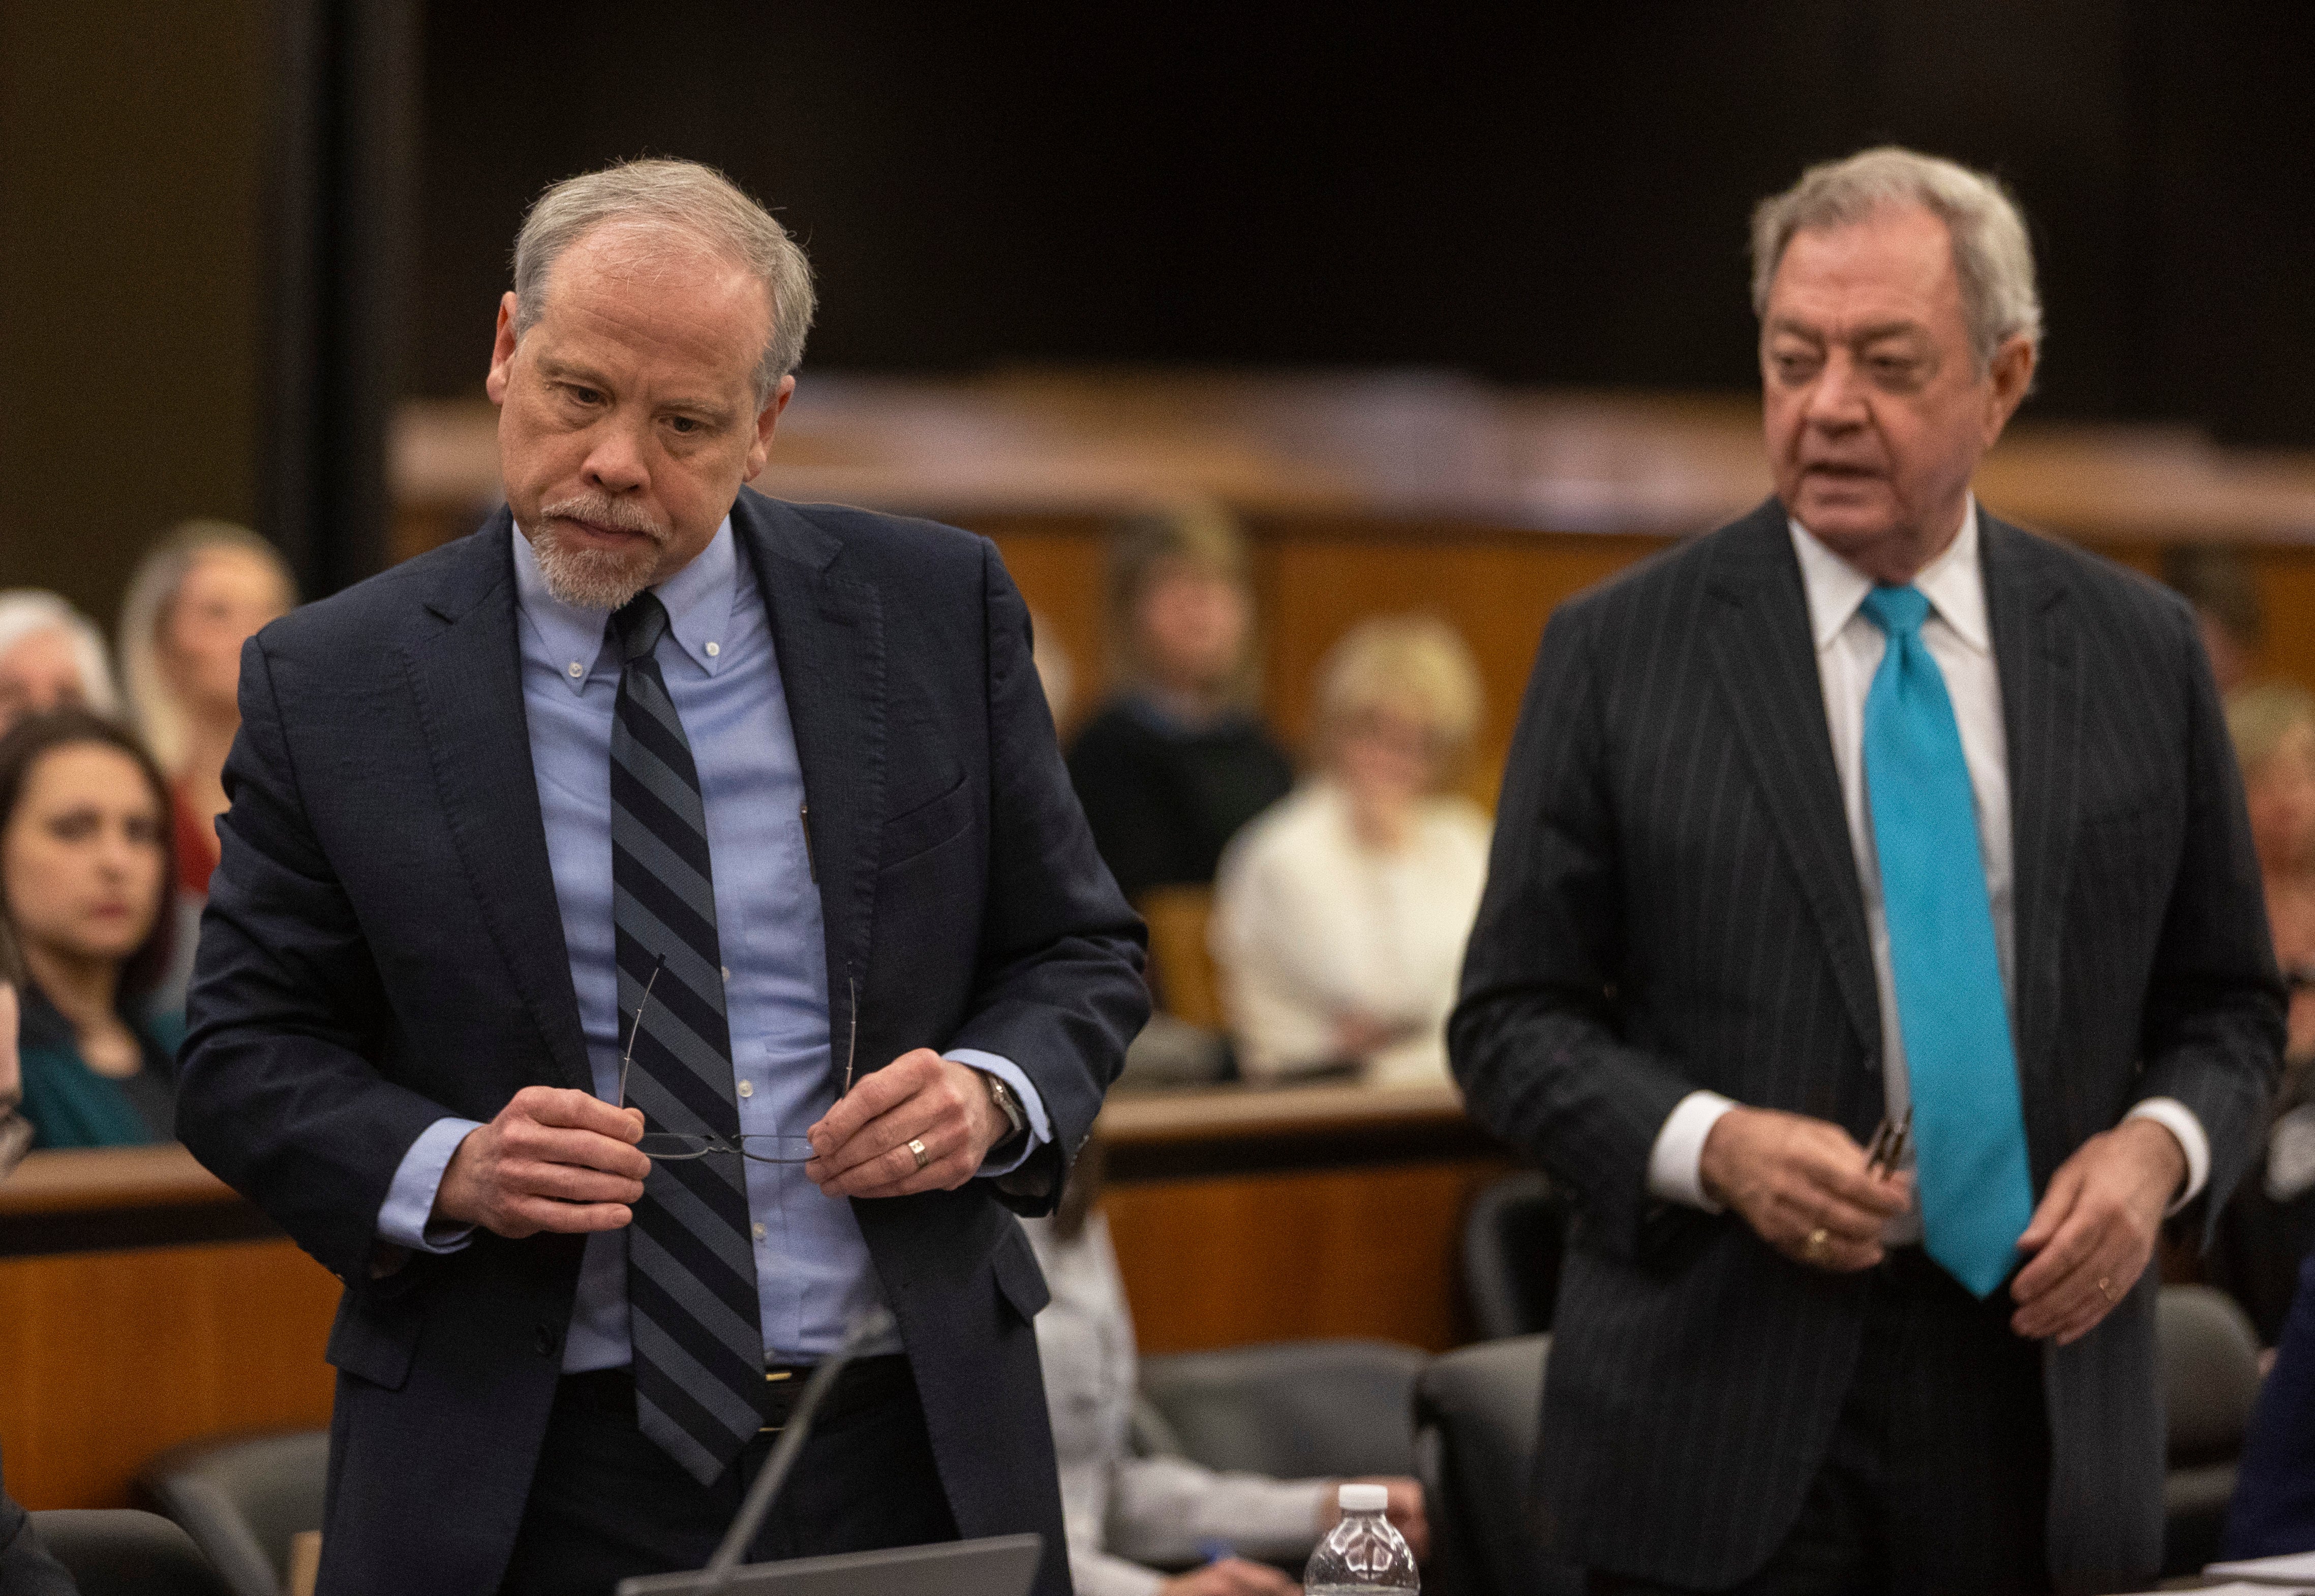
(669,1146)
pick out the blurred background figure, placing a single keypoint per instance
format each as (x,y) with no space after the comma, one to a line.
(201,592)
(1341,914)
(2269,1224)
(1123,1512)
(85,872)
(51,656)
(2220,584)
(1177,759)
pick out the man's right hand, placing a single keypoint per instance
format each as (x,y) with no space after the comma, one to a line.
(1791,1177)
(1232,1576)
(553,1160)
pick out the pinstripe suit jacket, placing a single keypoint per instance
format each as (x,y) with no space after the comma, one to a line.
(1673,904)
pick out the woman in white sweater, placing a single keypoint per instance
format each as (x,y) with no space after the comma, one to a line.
(1340,913)
(1124,1513)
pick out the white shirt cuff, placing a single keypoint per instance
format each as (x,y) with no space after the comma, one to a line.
(1676,1163)
(1041,1128)
(2178,1119)
(406,1216)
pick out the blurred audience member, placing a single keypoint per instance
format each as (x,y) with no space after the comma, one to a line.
(15,1130)
(2224,594)
(1341,914)
(85,880)
(26,1569)
(51,656)
(1178,761)
(2269,1224)
(1122,1511)
(200,593)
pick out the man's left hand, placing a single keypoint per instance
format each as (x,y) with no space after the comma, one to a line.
(862,1143)
(2094,1232)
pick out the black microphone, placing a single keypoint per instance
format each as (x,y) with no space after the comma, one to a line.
(869,1325)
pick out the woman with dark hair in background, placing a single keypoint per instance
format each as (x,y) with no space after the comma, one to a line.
(1177,759)
(85,872)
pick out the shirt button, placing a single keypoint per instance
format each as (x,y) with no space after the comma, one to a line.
(577,670)
(747,1088)
(759,1228)
(715,649)
(727,973)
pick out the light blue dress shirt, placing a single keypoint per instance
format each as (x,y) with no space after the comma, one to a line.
(812,1269)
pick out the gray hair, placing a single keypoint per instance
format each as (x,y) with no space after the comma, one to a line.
(1992,256)
(27,611)
(689,200)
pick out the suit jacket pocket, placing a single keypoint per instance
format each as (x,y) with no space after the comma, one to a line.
(375,1340)
(1017,1274)
(926,827)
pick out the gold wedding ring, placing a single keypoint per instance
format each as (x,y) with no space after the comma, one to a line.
(917,1145)
(1820,1241)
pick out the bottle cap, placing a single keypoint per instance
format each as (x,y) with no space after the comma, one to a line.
(1363,1498)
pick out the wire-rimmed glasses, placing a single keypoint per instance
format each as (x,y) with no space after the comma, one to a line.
(669,1147)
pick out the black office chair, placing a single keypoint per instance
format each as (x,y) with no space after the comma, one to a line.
(1475,1416)
(243,1498)
(1514,1238)
(2210,1379)
(1294,1409)
(121,1552)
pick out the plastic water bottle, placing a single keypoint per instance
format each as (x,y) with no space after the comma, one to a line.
(1364,1553)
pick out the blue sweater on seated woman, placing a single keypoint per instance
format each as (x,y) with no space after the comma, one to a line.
(71,1105)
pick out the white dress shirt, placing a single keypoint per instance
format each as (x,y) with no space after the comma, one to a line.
(1848,649)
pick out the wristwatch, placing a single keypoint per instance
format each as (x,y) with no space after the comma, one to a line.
(1008,1103)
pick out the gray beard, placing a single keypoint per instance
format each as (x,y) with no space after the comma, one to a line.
(593,579)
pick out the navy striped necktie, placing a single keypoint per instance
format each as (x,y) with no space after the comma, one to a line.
(692,1311)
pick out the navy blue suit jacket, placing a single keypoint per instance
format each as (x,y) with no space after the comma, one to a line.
(382,947)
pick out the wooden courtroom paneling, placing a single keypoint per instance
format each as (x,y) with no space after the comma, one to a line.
(1370,1251)
(107,1358)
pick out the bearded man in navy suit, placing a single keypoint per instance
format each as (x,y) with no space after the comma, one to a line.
(651,934)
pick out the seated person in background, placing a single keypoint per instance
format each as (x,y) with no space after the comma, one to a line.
(205,588)
(1124,1512)
(1177,760)
(1341,914)
(2269,1224)
(15,1130)
(25,1569)
(2224,593)
(85,882)
(51,656)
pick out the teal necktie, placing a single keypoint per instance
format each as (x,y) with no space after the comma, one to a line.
(1969,1127)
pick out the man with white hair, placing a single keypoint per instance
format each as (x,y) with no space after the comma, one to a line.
(652,934)
(1873,949)
(51,657)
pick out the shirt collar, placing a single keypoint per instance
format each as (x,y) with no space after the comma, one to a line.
(1953,584)
(698,600)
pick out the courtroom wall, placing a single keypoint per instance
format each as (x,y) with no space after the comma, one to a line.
(1548,193)
(131,157)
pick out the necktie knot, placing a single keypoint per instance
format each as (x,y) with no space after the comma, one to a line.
(1897,611)
(638,624)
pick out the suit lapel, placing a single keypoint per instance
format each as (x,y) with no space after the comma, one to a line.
(466,670)
(2035,652)
(828,631)
(1762,641)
